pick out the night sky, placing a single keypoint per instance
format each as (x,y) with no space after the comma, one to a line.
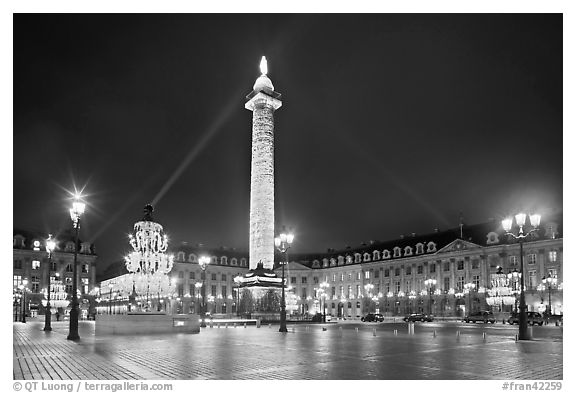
(390,124)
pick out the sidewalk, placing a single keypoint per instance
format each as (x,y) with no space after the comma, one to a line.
(264,353)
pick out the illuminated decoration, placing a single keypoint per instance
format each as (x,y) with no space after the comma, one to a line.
(500,293)
(58,295)
(148,264)
(262,101)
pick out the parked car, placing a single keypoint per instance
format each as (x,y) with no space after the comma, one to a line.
(418,317)
(371,317)
(555,319)
(318,317)
(480,316)
(533,318)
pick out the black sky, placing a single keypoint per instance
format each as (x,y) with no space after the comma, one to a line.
(390,124)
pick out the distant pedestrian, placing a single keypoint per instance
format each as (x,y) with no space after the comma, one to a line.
(57,316)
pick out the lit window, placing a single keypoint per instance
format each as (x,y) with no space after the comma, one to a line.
(342,277)
(552,255)
(367,274)
(17,281)
(85,268)
(35,265)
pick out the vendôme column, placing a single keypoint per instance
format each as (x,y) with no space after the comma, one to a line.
(262,101)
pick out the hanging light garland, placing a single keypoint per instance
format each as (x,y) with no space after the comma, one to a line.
(148,264)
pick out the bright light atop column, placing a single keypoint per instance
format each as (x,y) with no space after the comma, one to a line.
(50,244)
(264,66)
(507,224)
(520,219)
(290,238)
(535,220)
(283,237)
(277,241)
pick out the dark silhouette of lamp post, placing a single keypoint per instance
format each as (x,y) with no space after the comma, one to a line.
(521,237)
(203,261)
(24,288)
(549,282)
(50,246)
(282,244)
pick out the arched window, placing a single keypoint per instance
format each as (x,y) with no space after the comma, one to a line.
(357,258)
(407,250)
(419,248)
(375,255)
(366,257)
(431,247)
(192,258)
(386,254)
(340,260)
(214,260)
(233,262)
(224,260)
(181,257)
(325,262)
(243,262)
(316,263)
(397,252)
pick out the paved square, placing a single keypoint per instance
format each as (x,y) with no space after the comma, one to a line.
(308,352)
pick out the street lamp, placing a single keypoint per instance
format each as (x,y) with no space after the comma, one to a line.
(324,288)
(549,281)
(203,261)
(75,213)
(521,237)
(24,287)
(282,244)
(238,281)
(50,246)
(430,283)
(468,287)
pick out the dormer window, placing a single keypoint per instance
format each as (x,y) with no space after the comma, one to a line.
(181,257)
(340,260)
(397,252)
(366,257)
(85,248)
(407,250)
(348,259)
(385,254)
(192,258)
(69,247)
(234,262)
(243,262)
(419,248)
(18,241)
(332,262)
(375,255)
(316,263)
(357,258)
(325,262)
(224,260)
(431,247)
(492,238)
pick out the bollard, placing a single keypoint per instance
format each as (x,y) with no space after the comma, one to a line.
(356,330)
(269,326)
(218,325)
(244,325)
(516,338)
(323,329)
(395,332)
(373,332)
(484,336)
(226,325)
(234,324)
(340,330)
(457,333)
(411,328)
(434,333)
(258,323)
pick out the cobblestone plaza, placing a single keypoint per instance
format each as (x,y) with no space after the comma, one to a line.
(449,351)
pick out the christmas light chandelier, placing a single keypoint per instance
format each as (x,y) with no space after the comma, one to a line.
(148,263)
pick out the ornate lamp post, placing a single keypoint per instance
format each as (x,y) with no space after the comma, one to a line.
(430,283)
(75,213)
(238,281)
(468,288)
(549,281)
(324,288)
(521,237)
(282,244)
(203,261)
(50,246)
(23,288)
